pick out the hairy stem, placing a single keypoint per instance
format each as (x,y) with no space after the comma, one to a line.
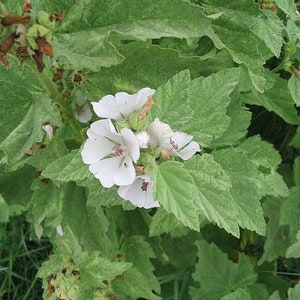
(57,98)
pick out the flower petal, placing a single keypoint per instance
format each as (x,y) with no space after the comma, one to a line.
(126,104)
(181,139)
(126,173)
(131,143)
(105,170)
(107,108)
(137,195)
(94,150)
(159,132)
(105,128)
(188,151)
(85,114)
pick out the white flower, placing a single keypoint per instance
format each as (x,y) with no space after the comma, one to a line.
(82,110)
(122,105)
(139,193)
(181,145)
(143,139)
(111,154)
(49,130)
(159,132)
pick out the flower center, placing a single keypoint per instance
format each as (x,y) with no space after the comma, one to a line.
(117,151)
(144,186)
(174,145)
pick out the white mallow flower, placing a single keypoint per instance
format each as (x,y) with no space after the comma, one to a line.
(122,105)
(159,132)
(143,139)
(111,154)
(139,193)
(181,145)
(82,110)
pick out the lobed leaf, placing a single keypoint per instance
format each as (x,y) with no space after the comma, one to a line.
(213,187)
(175,190)
(214,272)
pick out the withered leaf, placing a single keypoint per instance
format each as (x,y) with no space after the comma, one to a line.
(38,58)
(5,47)
(27,6)
(9,20)
(44,46)
(57,18)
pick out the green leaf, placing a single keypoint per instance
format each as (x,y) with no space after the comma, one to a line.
(275,296)
(269,29)
(45,207)
(42,157)
(245,187)
(294,249)
(267,160)
(30,131)
(139,280)
(96,269)
(294,87)
(75,51)
(148,65)
(4,211)
(296,139)
(164,222)
(215,201)
(277,99)
(68,168)
(290,211)
(276,242)
(287,6)
(170,18)
(214,272)
(15,186)
(208,98)
(297,171)
(233,28)
(170,101)
(294,293)
(239,122)
(175,190)
(122,20)
(238,294)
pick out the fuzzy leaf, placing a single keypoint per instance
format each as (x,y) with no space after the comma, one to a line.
(276,237)
(269,29)
(290,212)
(233,28)
(68,168)
(244,178)
(170,101)
(294,249)
(215,201)
(175,190)
(294,293)
(276,98)
(30,131)
(214,272)
(209,97)
(294,87)
(123,20)
(139,280)
(287,6)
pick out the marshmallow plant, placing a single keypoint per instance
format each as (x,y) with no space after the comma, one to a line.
(133,139)
(115,156)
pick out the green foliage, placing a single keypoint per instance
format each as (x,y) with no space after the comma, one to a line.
(228,224)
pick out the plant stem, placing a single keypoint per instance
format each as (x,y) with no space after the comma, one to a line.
(57,98)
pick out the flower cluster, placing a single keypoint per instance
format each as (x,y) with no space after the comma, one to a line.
(122,146)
